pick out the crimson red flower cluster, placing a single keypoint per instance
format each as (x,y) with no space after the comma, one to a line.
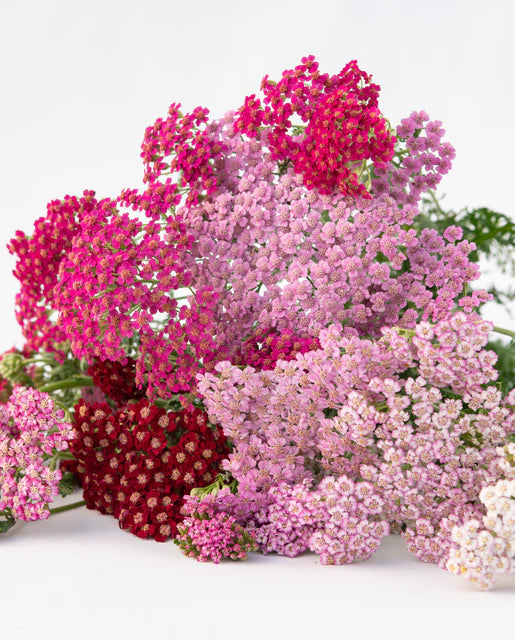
(263,349)
(116,380)
(344,124)
(138,462)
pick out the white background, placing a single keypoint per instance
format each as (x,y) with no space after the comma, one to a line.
(80,81)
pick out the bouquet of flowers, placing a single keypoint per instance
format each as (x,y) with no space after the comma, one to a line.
(272,345)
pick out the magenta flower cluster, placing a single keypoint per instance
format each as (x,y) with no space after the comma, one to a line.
(37,268)
(120,285)
(32,433)
(343,124)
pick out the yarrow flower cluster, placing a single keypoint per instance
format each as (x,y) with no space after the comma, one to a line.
(272,349)
(482,551)
(121,286)
(137,463)
(185,141)
(32,433)
(427,444)
(37,268)
(343,124)
(206,535)
(421,164)
(339,519)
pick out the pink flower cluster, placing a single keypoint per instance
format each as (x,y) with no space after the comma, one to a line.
(32,432)
(351,521)
(290,259)
(274,418)
(340,520)
(343,124)
(206,535)
(426,443)
(286,524)
(420,162)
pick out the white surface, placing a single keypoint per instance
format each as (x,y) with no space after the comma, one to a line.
(79,84)
(95,581)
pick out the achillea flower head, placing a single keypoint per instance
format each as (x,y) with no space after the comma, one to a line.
(343,125)
(137,462)
(37,268)
(426,443)
(208,535)
(182,144)
(483,550)
(32,432)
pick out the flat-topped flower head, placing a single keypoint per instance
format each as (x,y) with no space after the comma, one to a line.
(32,432)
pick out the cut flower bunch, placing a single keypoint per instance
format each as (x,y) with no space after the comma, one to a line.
(268,346)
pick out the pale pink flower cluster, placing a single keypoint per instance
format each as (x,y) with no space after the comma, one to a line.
(351,521)
(276,418)
(287,524)
(481,552)
(415,414)
(286,257)
(32,432)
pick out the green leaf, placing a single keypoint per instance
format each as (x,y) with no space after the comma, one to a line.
(68,484)
(324,216)
(505,363)
(5,525)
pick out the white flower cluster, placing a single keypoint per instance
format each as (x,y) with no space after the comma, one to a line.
(481,552)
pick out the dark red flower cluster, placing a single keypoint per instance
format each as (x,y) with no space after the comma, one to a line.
(187,147)
(117,381)
(263,349)
(37,268)
(137,463)
(343,124)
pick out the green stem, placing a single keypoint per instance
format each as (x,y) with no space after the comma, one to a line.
(435,202)
(505,332)
(69,383)
(68,507)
